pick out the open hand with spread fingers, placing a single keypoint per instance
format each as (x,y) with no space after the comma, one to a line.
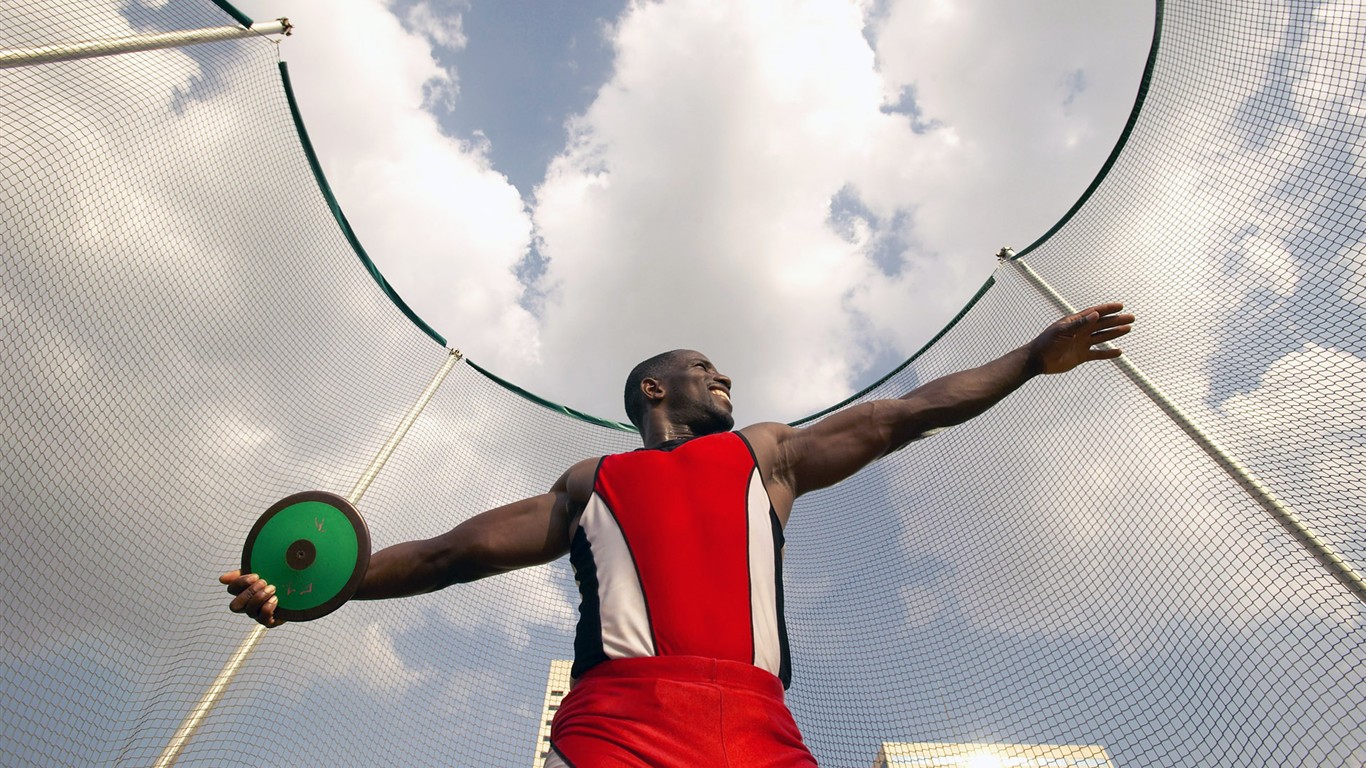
(1071,341)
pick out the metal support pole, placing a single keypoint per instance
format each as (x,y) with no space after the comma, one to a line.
(182,736)
(21,57)
(1341,570)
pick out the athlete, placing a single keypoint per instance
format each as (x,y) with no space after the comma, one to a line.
(681,652)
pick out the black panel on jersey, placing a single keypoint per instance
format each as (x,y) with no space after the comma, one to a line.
(588,650)
(785,666)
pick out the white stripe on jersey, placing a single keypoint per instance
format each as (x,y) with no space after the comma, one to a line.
(762,585)
(625,621)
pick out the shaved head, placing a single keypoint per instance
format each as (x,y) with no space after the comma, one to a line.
(653,368)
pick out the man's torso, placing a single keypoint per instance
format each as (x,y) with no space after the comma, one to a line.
(677,552)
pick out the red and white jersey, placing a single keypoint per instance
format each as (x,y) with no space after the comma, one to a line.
(679,553)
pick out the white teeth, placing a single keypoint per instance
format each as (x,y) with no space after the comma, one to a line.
(722,393)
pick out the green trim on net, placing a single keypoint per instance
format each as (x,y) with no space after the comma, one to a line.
(570,412)
(961,313)
(341,217)
(228,8)
(1123,136)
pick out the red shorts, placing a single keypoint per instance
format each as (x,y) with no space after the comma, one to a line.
(684,711)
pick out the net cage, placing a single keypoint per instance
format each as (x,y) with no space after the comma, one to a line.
(1161,560)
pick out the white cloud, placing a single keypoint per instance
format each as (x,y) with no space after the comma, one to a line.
(443,29)
(1354,289)
(721,173)
(444,228)
(1002,76)
(692,206)
(1302,434)
(150,300)
(691,209)
(372,658)
(1266,263)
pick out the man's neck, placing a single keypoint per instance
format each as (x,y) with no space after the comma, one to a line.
(661,432)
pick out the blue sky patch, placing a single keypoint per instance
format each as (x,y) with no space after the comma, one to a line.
(525,69)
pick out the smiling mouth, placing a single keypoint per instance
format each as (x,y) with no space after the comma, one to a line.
(723,394)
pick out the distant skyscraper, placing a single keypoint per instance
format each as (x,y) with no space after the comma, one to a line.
(556,686)
(895,754)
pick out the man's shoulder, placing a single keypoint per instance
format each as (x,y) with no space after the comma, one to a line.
(769,440)
(768,432)
(577,481)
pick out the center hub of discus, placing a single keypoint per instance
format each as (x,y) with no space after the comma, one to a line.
(301,554)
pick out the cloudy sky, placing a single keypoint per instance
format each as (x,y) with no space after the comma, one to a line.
(803,183)
(806,191)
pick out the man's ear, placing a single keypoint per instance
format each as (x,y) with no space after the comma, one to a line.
(653,389)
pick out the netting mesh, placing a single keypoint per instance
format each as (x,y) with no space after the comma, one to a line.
(1067,569)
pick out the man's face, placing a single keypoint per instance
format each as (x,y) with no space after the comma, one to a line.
(698,395)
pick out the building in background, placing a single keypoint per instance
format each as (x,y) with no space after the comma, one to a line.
(901,754)
(556,686)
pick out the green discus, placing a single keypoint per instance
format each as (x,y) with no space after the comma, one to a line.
(314,547)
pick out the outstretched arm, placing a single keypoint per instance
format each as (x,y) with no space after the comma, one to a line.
(837,447)
(524,533)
